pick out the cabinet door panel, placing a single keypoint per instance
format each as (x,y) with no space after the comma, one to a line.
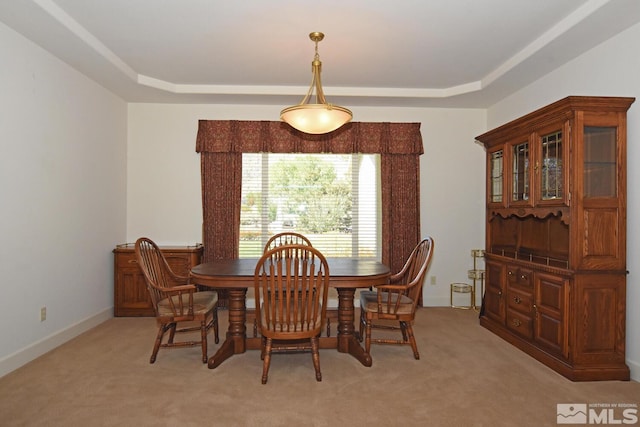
(493,305)
(600,161)
(600,303)
(601,249)
(551,302)
(133,294)
(550,164)
(131,297)
(549,332)
(495,181)
(520,183)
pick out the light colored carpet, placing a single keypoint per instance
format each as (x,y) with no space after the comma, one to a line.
(466,376)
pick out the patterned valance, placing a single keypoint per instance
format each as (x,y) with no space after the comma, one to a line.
(241,136)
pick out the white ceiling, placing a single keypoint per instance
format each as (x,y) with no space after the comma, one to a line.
(458,53)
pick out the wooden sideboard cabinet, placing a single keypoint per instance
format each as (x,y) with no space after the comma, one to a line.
(131,297)
(556,235)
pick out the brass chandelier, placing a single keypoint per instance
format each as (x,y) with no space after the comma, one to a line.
(320,117)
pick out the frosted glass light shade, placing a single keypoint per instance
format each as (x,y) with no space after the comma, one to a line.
(316,118)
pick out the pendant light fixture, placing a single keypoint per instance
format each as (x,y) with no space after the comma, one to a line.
(320,117)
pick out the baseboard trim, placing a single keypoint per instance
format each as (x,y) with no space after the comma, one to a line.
(634,368)
(436,301)
(22,357)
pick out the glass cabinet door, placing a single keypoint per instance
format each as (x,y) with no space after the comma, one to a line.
(496,166)
(520,173)
(600,163)
(551,182)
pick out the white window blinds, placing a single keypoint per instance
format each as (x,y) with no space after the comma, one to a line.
(333,199)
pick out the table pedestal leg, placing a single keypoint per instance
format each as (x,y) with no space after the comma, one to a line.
(235,341)
(347,341)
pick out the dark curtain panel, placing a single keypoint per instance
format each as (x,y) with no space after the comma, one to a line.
(222,142)
(221,191)
(400,177)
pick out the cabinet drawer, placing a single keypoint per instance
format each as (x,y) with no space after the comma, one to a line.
(127,259)
(180,262)
(518,276)
(520,323)
(520,301)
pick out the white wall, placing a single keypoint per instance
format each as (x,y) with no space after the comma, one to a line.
(62,190)
(611,69)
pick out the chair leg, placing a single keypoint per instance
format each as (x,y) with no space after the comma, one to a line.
(403,329)
(412,339)
(156,346)
(172,332)
(361,326)
(216,336)
(315,355)
(267,361)
(203,339)
(251,318)
(367,336)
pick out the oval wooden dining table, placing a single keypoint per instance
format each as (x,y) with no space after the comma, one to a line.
(236,275)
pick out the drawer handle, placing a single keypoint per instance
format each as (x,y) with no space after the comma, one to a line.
(517,300)
(516,323)
(133,261)
(523,277)
(510,273)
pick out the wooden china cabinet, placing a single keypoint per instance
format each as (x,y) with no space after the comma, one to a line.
(556,236)
(131,297)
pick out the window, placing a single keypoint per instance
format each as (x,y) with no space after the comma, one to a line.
(333,199)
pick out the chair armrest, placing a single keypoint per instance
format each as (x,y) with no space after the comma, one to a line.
(391,287)
(176,280)
(394,294)
(181,279)
(180,289)
(394,278)
(178,307)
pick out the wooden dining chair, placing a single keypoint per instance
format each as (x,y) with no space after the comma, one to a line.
(286,238)
(396,301)
(291,284)
(289,238)
(279,239)
(175,300)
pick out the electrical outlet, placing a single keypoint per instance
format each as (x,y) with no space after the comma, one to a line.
(43,314)
(433,280)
